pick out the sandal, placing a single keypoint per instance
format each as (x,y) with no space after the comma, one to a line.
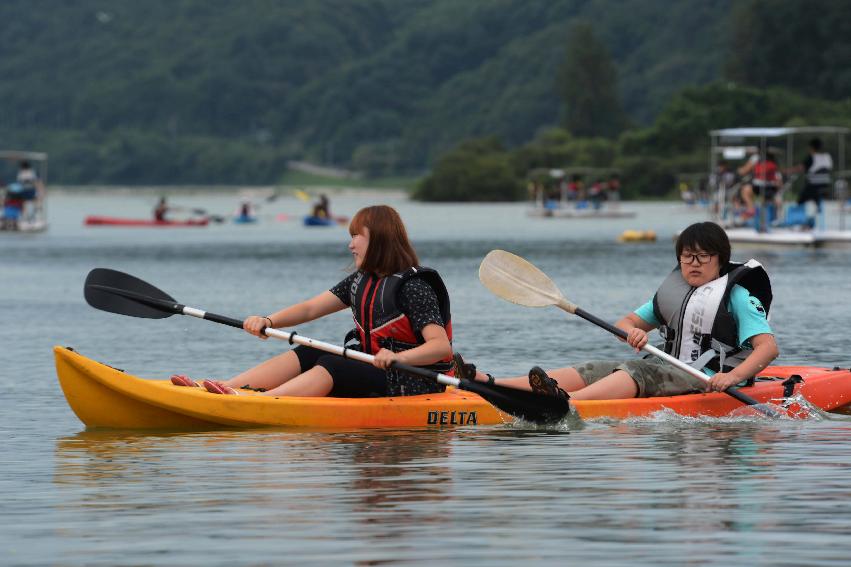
(215,387)
(464,371)
(541,383)
(183,380)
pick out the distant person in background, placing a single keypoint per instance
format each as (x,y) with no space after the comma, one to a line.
(552,193)
(246,211)
(532,190)
(322,209)
(686,194)
(613,189)
(574,188)
(18,202)
(596,194)
(29,189)
(722,181)
(817,166)
(765,181)
(12,206)
(161,210)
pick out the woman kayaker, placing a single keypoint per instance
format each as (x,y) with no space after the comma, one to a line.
(401,313)
(712,314)
(161,210)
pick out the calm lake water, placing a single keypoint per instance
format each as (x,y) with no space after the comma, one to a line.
(660,491)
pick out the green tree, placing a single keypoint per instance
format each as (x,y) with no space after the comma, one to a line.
(803,46)
(477,170)
(587,80)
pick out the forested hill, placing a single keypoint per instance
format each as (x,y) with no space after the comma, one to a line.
(225,91)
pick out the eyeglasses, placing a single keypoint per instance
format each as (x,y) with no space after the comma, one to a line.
(702,258)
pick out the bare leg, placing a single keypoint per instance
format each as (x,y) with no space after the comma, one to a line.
(568,380)
(747,196)
(316,382)
(269,374)
(617,385)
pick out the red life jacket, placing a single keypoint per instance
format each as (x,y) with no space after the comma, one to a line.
(765,173)
(379,320)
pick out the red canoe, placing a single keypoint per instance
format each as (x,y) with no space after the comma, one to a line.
(119,221)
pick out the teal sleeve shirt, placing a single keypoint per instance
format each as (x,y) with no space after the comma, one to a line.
(746,309)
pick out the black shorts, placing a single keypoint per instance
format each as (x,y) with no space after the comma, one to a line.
(352,378)
(813,193)
(770,191)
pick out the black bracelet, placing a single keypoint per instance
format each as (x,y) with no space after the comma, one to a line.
(270,321)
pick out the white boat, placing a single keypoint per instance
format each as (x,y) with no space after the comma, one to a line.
(599,203)
(780,238)
(763,230)
(570,212)
(33,216)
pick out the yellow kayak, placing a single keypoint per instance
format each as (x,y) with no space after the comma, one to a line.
(104,397)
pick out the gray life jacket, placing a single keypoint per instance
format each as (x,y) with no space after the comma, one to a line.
(819,171)
(695,322)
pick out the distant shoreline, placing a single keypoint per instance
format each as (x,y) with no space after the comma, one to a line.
(259,191)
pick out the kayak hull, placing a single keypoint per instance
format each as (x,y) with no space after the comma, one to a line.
(104,397)
(244,220)
(826,389)
(93,220)
(324,221)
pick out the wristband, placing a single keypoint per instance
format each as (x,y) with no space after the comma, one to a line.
(270,322)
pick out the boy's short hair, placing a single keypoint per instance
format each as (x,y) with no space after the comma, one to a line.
(706,236)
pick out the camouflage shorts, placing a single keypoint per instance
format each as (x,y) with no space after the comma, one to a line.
(653,376)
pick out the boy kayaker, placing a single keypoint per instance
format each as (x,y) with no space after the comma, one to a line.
(401,313)
(712,314)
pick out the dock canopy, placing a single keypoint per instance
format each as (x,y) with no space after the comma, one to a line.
(17,155)
(776,132)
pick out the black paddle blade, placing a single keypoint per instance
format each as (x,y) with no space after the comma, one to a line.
(117,292)
(537,408)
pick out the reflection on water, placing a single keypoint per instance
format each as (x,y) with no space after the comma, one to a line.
(707,490)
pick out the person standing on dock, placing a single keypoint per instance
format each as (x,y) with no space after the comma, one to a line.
(817,167)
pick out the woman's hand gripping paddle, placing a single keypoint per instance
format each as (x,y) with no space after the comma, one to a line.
(117,292)
(516,280)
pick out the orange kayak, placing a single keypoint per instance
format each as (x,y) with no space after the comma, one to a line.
(826,389)
(105,397)
(93,220)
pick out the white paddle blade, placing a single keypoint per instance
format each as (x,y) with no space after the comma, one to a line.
(514,279)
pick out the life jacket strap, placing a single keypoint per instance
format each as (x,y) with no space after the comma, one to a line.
(704,359)
(351,336)
(668,334)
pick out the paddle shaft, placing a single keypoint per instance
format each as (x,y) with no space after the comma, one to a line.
(180,309)
(744,398)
